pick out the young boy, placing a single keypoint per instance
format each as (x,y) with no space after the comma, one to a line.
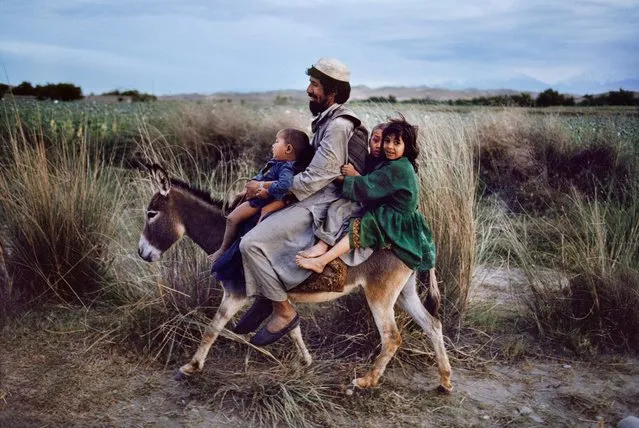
(292,153)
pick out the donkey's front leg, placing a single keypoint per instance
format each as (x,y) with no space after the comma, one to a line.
(231,303)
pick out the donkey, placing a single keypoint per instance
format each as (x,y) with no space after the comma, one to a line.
(177,209)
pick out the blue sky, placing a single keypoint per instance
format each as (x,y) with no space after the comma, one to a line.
(171,47)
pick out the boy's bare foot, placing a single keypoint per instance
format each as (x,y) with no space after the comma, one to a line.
(216,255)
(315,251)
(313,263)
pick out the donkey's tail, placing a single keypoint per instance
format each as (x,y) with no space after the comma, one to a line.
(433,298)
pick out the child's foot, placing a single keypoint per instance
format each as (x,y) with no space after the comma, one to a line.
(313,263)
(215,256)
(315,251)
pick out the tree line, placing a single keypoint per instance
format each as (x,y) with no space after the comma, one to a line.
(547,98)
(65,92)
(50,91)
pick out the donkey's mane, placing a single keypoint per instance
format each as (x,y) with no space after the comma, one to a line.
(203,195)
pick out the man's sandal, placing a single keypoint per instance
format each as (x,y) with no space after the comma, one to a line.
(257,313)
(264,337)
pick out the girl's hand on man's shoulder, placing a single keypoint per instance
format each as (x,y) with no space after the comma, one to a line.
(349,170)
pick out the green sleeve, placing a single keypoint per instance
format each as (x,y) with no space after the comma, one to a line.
(376,185)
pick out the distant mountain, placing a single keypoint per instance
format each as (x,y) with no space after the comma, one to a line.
(577,86)
(403,93)
(453,90)
(517,84)
(360,92)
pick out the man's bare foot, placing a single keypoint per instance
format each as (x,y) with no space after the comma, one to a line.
(279,322)
(283,314)
(216,255)
(313,263)
(315,251)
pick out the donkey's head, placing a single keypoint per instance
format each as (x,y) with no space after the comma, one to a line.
(163,225)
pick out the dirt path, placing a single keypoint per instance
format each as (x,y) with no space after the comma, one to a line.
(54,373)
(71,390)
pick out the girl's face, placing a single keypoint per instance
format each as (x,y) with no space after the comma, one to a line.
(393,147)
(375,143)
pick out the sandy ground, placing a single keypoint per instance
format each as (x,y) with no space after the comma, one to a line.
(57,378)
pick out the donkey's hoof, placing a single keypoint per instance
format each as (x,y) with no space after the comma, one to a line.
(444,390)
(180,376)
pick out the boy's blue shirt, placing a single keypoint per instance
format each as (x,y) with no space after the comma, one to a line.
(281,172)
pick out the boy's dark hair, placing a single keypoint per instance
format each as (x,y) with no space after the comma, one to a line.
(342,90)
(301,145)
(408,133)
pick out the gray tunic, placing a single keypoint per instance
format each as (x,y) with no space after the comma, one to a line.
(269,249)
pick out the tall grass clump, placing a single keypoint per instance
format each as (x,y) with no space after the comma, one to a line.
(572,225)
(448,181)
(212,132)
(59,206)
(531,162)
(592,304)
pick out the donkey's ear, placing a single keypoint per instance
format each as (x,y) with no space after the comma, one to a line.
(161,179)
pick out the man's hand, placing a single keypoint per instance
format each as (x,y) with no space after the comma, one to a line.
(251,189)
(349,170)
(262,193)
(339,179)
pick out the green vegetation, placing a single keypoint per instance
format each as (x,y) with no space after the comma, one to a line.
(547,98)
(50,91)
(553,194)
(135,96)
(66,92)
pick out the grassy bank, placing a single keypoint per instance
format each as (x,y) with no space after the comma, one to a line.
(537,191)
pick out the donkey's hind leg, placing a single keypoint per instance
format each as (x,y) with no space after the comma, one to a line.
(231,303)
(409,301)
(381,296)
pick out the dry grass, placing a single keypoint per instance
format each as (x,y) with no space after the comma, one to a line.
(597,246)
(90,230)
(207,134)
(60,205)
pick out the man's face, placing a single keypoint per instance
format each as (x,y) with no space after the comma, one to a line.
(319,100)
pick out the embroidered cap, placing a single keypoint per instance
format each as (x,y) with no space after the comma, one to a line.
(333,68)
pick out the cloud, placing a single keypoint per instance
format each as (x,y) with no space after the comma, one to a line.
(266,44)
(89,58)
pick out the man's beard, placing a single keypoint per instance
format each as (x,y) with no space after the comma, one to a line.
(316,107)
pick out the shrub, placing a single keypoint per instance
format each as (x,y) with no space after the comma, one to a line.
(208,133)
(594,243)
(59,207)
(531,163)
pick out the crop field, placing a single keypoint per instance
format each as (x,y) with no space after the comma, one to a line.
(535,214)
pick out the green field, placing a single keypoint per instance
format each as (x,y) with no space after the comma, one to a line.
(534,190)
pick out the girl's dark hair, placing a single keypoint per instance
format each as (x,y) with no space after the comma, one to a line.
(301,145)
(342,90)
(408,133)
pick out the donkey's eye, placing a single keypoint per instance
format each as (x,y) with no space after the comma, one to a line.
(151,214)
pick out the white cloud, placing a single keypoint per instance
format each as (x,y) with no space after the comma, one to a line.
(266,44)
(90,58)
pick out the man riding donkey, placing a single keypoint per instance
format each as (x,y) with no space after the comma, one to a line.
(319,214)
(269,249)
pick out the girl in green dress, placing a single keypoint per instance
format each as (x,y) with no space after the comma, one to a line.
(392,193)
